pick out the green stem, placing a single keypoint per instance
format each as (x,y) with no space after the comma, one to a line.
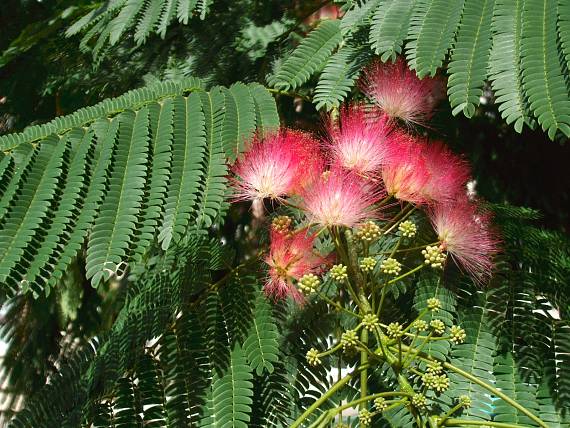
(336,305)
(370,398)
(364,362)
(449,413)
(463,422)
(414,270)
(332,390)
(486,386)
(495,391)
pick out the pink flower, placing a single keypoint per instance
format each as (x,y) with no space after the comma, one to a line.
(448,174)
(340,198)
(465,232)
(359,143)
(400,93)
(277,166)
(290,257)
(405,173)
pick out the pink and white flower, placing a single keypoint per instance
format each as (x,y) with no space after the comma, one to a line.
(448,174)
(358,142)
(400,93)
(405,174)
(277,166)
(464,231)
(290,257)
(341,198)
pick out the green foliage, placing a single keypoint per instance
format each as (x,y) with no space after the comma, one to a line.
(109,22)
(521,47)
(152,362)
(309,57)
(141,167)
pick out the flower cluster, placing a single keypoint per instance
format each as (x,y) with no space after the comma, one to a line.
(347,179)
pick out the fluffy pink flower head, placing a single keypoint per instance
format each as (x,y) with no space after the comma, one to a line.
(465,232)
(400,93)
(340,198)
(448,174)
(276,166)
(405,173)
(290,257)
(358,142)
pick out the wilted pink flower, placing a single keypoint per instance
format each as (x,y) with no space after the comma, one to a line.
(277,166)
(405,173)
(357,142)
(448,174)
(465,232)
(340,198)
(290,257)
(400,93)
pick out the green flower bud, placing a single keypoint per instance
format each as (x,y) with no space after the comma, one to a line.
(434,304)
(465,401)
(338,273)
(380,404)
(367,264)
(419,401)
(365,417)
(394,330)
(281,223)
(368,232)
(370,322)
(438,326)
(313,357)
(349,339)
(435,367)
(420,325)
(434,256)
(457,334)
(408,229)
(391,266)
(309,283)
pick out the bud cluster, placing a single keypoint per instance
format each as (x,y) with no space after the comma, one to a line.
(368,232)
(434,256)
(367,264)
(408,229)
(391,266)
(309,283)
(339,273)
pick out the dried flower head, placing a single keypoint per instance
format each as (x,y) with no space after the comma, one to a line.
(343,199)
(465,232)
(290,257)
(358,143)
(400,93)
(276,166)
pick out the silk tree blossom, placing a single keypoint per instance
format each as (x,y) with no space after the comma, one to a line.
(290,257)
(341,199)
(465,232)
(400,93)
(358,143)
(277,166)
(448,174)
(405,173)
